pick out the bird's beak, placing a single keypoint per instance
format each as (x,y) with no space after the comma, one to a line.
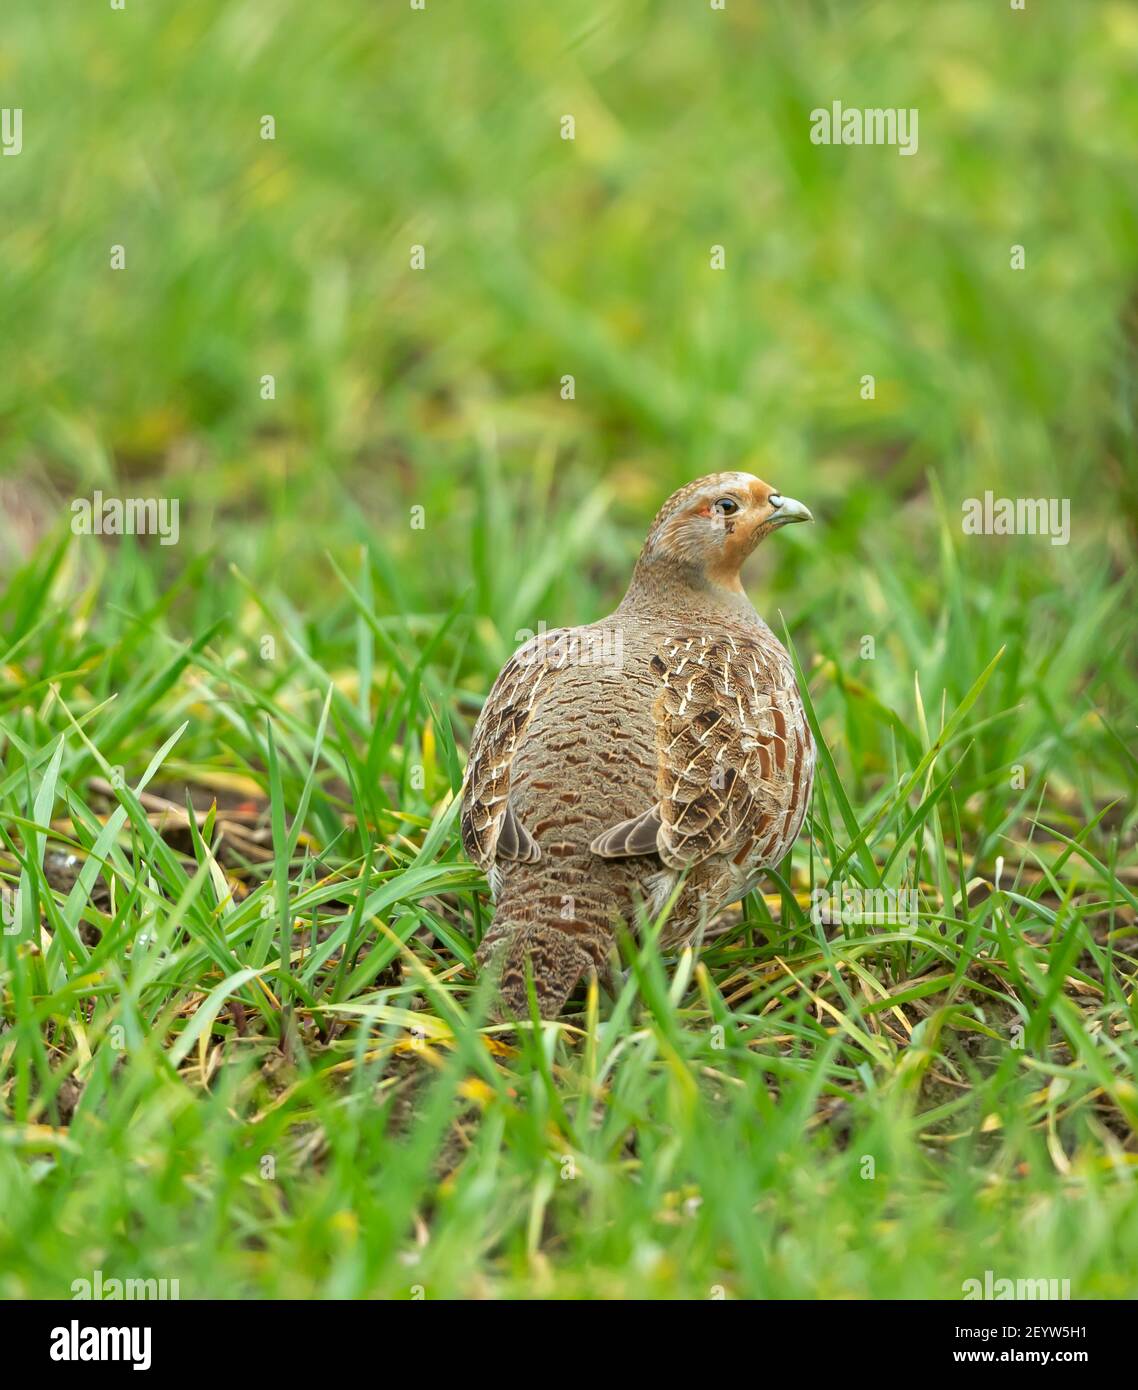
(786,510)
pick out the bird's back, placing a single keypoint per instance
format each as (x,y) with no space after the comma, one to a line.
(588,759)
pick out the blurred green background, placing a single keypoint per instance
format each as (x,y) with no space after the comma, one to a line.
(545,257)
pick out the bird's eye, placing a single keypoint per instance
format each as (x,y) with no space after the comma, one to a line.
(726,506)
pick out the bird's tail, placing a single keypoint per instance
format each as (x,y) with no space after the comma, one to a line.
(554,957)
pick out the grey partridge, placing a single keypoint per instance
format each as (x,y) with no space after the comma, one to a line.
(667,741)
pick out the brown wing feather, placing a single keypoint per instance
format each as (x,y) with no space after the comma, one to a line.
(629,837)
(490,829)
(736,756)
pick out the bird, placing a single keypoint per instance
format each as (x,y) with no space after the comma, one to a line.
(664,750)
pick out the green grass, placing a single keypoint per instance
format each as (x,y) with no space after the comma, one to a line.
(247,1050)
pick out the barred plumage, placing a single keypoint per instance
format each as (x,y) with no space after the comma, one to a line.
(594,784)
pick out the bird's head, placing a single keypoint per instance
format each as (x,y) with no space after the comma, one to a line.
(713,524)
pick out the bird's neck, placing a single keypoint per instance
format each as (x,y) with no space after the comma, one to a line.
(671,588)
